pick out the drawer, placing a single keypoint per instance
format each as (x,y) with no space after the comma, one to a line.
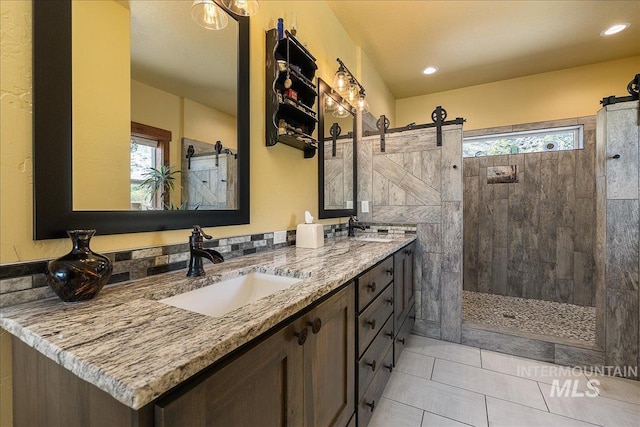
(403,334)
(371,283)
(371,321)
(371,399)
(371,361)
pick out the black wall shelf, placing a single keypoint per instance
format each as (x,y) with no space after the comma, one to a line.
(290,116)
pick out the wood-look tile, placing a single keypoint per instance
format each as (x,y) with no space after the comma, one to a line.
(407,214)
(506,414)
(622,173)
(597,410)
(519,346)
(415,364)
(623,219)
(391,413)
(496,384)
(441,399)
(444,350)
(616,388)
(622,327)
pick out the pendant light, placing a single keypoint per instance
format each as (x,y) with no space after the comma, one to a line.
(209,15)
(341,112)
(242,7)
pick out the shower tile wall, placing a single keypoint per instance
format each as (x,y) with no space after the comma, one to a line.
(618,234)
(534,238)
(415,181)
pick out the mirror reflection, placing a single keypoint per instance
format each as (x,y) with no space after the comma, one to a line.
(337,161)
(154,108)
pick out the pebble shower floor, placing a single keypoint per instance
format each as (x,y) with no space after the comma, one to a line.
(530,315)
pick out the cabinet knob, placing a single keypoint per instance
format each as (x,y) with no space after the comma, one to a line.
(390,271)
(372,405)
(390,301)
(408,252)
(389,367)
(372,323)
(302,335)
(315,325)
(400,340)
(372,286)
(373,365)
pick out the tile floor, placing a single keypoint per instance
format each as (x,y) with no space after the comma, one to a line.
(437,383)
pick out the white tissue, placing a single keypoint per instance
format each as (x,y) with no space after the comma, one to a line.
(308,219)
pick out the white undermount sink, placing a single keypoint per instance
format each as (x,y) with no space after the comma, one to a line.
(225,296)
(374,239)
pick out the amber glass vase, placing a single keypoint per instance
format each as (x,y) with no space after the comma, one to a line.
(80,274)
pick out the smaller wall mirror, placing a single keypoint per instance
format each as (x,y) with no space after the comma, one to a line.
(337,159)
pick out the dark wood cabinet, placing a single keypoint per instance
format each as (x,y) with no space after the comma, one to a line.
(290,93)
(264,386)
(404,297)
(301,375)
(328,361)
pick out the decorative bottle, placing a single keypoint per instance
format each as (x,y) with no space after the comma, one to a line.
(80,274)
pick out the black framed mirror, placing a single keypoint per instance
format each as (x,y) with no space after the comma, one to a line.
(337,154)
(53,141)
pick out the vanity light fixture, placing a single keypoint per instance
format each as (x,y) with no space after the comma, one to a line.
(209,15)
(430,70)
(349,87)
(242,7)
(615,29)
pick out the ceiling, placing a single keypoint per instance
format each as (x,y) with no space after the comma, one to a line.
(476,42)
(170,52)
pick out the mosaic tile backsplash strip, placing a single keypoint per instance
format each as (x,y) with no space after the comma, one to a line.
(26,281)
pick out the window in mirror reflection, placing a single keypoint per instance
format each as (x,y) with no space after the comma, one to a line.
(144,152)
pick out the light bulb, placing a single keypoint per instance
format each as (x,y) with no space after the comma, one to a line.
(341,112)
(329,104)
(208,15)
(363,105)
(242,7)
(340,82)
(352,93)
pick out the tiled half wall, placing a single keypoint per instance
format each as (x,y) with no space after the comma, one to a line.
(23,282)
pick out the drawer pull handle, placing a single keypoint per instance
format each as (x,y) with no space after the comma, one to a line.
(400,340)
(390,301)
(373,365)
(389,334)
(372,286)
(372,405)
(302,335)
(372,323)
(389,367)
(412,317)
(390,271)
(408,252)
(315,325)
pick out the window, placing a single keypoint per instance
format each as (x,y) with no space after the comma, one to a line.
(533,141)
(144,154)
(149,152)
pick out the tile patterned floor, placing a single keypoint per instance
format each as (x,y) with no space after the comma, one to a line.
(437,383)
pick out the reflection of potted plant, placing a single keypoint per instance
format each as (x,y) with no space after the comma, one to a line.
(160,181)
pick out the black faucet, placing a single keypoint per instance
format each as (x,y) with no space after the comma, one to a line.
(353,224)
(198,252)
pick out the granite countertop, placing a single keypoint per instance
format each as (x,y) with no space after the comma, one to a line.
(135,348)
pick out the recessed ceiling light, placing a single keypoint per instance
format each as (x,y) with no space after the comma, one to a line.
(615,29)
(430,70)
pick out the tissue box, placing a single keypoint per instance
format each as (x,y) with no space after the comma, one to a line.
(309,236)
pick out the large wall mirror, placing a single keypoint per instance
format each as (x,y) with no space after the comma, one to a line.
(337,154)
(141,118)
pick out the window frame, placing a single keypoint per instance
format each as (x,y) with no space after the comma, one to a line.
(578,130)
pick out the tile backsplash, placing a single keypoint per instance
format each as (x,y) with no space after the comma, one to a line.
(23,282)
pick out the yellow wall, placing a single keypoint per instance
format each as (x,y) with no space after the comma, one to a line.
(101,127)
(563,94)
(379,97)
(207,125)
(283,183)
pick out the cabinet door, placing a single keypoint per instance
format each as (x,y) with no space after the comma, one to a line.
(329,361)
(263,387)
(404,290)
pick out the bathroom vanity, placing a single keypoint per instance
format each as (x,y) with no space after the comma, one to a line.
(315,353)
